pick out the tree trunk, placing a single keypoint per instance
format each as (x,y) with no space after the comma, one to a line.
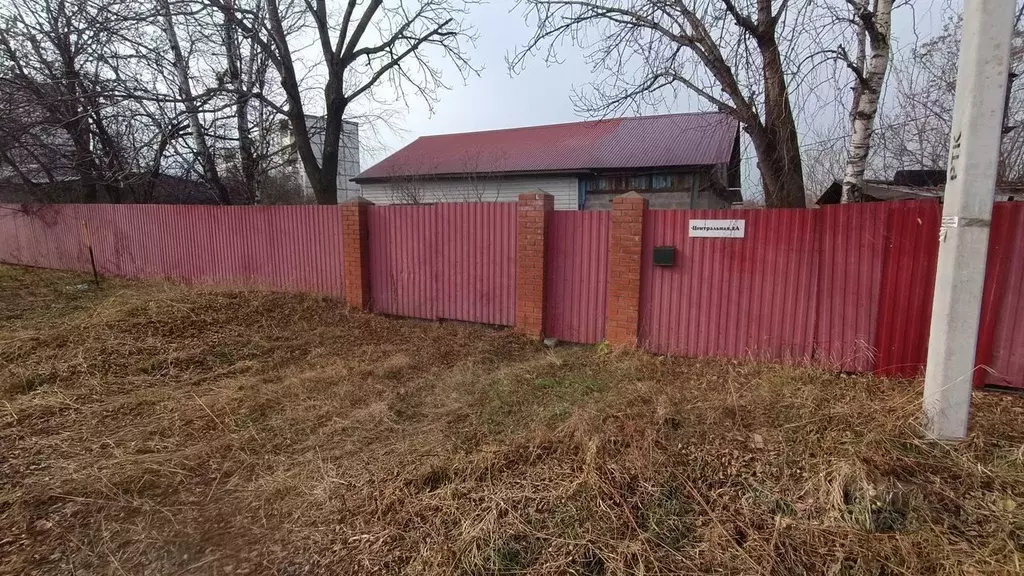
(83,160)
(206,158)
(779,152)
(149,186)
(323,187)
(246,160)
(866,94)
(330,149)
(115,170)
(779,176)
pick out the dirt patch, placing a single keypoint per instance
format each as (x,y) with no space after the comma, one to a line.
(149,428)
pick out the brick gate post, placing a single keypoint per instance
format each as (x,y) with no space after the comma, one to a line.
(626,251)
(531,254)
(355,240)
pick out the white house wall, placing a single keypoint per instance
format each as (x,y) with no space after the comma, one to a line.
(564,189)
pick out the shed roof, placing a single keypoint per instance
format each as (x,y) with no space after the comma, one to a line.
(670,140)
(881,191)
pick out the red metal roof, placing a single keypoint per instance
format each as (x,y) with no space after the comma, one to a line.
(692,139)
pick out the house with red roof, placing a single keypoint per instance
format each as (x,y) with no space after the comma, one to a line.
(689,160)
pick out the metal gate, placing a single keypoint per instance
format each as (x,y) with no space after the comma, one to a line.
(454,261)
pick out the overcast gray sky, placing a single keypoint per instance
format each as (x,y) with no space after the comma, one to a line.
(541,94)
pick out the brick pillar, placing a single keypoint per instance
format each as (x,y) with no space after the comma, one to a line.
(531,233)
(355,240)
(626,251)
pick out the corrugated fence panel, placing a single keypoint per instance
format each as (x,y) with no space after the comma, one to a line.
(852,250)
(1001,335)
(836,283)
(110,240)
(576,298)
(275,247)
(731,297)
(476,260)
(908,281)
(403,261)
(47,236)
(325,264)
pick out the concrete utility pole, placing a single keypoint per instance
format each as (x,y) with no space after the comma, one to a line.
(967,215)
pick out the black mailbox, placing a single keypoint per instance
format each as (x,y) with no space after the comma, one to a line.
(664,255)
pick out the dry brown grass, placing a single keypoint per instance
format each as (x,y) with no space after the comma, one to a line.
(151,429)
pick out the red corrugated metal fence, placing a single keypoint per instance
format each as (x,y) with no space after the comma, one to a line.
(576,293)
(275,247)
(751,297)
(846,287)
(453,261)
(403,261)
(851,252)
(477,262)
(1001,335)
(908,280)
(47,236)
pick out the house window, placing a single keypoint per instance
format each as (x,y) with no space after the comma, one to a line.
(642,182)
(663,181)
(604,184)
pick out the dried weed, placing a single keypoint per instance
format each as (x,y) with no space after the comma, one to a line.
(148,428)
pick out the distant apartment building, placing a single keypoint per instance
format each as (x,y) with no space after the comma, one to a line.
(348,160)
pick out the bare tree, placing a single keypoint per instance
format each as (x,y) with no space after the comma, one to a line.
(242,75)
(483,187)
(223,88)
(407,190)
(874,28)
(373,51)
(31,144)
(482,175)
(106,97)
(916,125)
(824,157)
(204,154)
(729,54)
(68,67)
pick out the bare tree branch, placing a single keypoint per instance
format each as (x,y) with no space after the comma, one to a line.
(640,49)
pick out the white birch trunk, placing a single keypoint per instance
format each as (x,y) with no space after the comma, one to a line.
(206,159)
(866,96)
(233,55)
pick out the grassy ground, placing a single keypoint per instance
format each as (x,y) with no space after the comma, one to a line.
(152,429)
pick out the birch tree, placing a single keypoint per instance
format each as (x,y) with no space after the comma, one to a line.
(874,29)
(914,126)
(204,155)
(216,79)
